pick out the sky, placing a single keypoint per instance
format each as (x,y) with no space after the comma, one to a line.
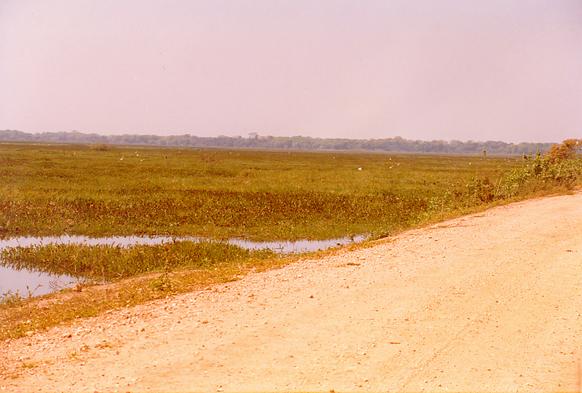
(506,70)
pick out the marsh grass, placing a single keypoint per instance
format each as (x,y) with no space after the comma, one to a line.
(51,190)
(107,263)
(48,190)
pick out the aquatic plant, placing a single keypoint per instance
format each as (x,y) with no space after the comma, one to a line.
(106,263)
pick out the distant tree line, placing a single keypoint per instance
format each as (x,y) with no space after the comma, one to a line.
(255,141)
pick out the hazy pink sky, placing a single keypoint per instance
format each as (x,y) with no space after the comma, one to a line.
(426,69)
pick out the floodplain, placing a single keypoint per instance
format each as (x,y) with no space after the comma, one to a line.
(209,205)
(258,195)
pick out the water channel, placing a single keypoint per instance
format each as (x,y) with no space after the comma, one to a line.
(25,282)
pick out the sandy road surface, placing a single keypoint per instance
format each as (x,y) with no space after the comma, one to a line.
(486,302)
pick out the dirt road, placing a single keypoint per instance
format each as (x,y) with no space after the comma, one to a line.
(489,302)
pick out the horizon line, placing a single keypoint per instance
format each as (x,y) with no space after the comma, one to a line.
(256,135)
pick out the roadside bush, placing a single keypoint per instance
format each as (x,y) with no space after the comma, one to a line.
(565,150)
(560,168)
(481,189)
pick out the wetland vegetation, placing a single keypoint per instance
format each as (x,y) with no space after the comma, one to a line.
(108,263)
(220,194)
(102,190)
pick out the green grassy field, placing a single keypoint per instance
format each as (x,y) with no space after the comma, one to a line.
(97,191)
(51,190)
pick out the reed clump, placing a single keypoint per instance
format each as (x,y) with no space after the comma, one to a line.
(108,263)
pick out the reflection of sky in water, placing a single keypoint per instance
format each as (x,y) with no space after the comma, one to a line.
(42,283)
(25,281)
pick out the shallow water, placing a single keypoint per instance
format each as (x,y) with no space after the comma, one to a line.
(39,283)
(27,282)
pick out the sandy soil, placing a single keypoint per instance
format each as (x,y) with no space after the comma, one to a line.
(489,302)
